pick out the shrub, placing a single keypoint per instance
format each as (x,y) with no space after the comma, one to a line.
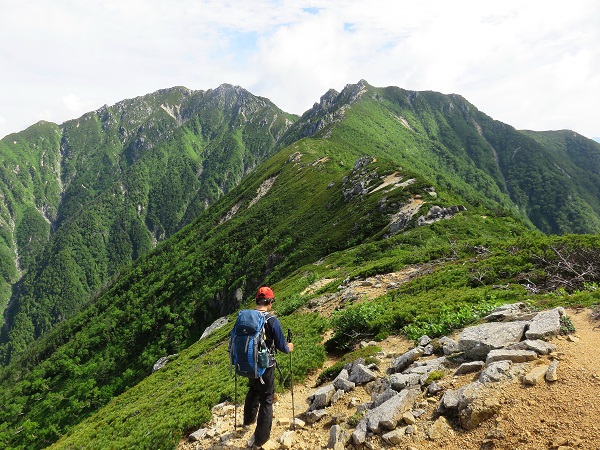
(566,325)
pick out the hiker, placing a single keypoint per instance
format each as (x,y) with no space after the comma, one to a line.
(260,393)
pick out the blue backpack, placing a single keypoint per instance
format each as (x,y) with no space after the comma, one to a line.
(248,352)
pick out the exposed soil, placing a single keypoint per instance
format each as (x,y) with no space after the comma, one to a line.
(563,414)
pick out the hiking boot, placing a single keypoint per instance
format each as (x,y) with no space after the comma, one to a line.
(251,441)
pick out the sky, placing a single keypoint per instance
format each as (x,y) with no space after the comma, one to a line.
(532,64)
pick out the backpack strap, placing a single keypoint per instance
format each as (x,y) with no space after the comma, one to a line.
(269,315)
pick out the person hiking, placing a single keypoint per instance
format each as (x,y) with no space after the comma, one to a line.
(261,390)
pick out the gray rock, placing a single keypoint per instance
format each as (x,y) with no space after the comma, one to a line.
(434,388)
(545,324)
(342,382)
(510,313)
(350,366)
(448,402)
(344,375)
(336,435)
(198,435)
(359,435)
(337,395)
(220,322)
(377,387)
(424,340)
(428,350)
(448,345)
(469,393)
(537,345)
(315,416)
(361,375)
(387,415)
(469,367)
(516,356)
(431,364)
(344,385)
(162,362)
(403,361)
(495,372)
(383,397)
(551,372)
(399,381)
(394,437)
(477,341)
(321,397)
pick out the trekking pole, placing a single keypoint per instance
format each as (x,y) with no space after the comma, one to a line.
(235,405)
(289,339)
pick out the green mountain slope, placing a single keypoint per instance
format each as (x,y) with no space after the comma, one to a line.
(371,181)
(89,197)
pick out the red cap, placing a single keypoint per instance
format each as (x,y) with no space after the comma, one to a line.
(265,292)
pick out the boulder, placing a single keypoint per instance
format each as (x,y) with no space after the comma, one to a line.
(399,381)
(537,345)
(383,397)
(448,345)
(219,323)
(478,411)
(424,340)
(510,313)
(495,372)
(321,397)
(449,402)
(342,382)
(315,416)
(477,341)
(403,361)
(162,362)
(361,375)
(387,415)
(337,435)
(394,437)
(536,375)
(469,367)
(359,435)
(516,356)
(337,395)
(545,324)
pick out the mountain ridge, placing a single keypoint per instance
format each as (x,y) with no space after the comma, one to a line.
(320,207)
(124,178)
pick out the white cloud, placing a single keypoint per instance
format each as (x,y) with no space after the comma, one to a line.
(533,64)
(75,105)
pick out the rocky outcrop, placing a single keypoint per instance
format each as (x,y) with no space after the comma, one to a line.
(437,213)
(162,362)
(416,399)
(219,323)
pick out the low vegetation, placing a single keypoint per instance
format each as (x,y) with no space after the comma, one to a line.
(87,381)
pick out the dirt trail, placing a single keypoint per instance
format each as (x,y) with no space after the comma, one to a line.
(547,416)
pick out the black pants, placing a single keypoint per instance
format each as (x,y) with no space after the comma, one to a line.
(260,399)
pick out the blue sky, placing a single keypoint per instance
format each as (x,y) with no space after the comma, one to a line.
(532,64)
